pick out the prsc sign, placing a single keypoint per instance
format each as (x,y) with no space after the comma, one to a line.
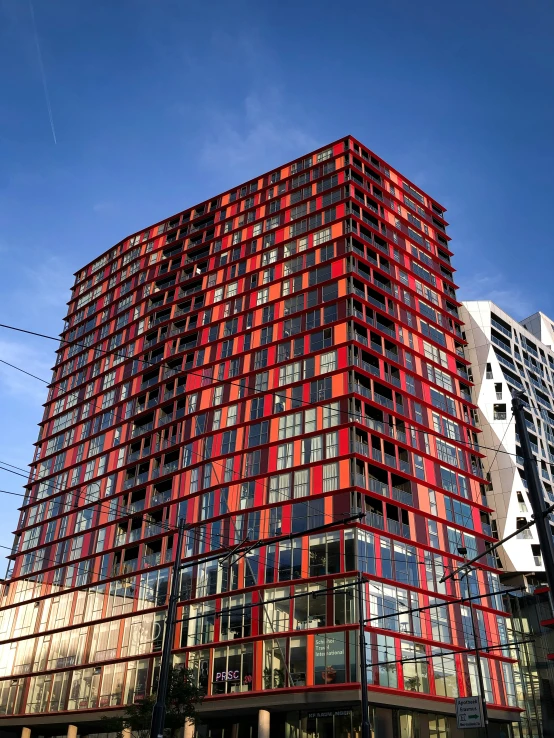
(469,713)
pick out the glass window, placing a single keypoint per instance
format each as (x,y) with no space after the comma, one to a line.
(330,658)
(414,667)
(438,726)
(232,669)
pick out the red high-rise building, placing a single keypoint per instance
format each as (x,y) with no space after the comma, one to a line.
(278,358)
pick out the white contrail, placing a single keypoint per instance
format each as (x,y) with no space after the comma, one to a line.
(44,84)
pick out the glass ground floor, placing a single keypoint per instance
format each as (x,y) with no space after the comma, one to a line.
(344,722)
(326,719)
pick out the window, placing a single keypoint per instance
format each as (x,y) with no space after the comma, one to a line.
(290,426)
(438,724)
(262,296)
(321,389)
(290,373)
(331,415)
(217,397)
(231,415)
(228,442)
(330,477)
(415,667)
(457,539)
(279,488)
(294,304)
(266,335)
(260,359)
(311,449)
(321,339)
(232,289)
(261,382)
(322,236)
(458,512)
(257,408)
(441,378)
(301,483)
(292,326)
(285,456)
(258,434)
(331,445)
(330,658)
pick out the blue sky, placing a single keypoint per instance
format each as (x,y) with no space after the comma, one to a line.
(158,104)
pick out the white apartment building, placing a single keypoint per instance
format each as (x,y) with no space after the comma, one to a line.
(507,355)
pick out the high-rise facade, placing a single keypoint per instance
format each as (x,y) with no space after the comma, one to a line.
(509,356)
(279,358)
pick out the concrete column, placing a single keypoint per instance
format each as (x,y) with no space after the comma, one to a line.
(71,731)
(25,732)
(188,731)
(263,723)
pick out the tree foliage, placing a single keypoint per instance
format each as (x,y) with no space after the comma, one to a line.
(182,699)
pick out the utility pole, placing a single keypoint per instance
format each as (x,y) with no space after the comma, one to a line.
(363,665)
(477,644)
(536,495)
(158,713)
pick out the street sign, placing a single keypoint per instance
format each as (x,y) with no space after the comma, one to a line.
(469,712)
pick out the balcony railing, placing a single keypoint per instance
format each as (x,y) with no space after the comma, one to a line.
(379,487)
(151,559)
(376,425)
(383,400)
(401,495)
(397,528)
(375,520)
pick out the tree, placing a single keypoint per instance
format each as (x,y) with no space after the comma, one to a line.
(182,699)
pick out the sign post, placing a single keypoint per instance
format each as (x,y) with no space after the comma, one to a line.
(469,713)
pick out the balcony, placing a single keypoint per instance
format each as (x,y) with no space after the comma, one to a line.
(379,487)
(360,389)
(153,529)
(398,529)
(404,466)
(369,422)
(524,534)
(361,448)
(133,508)
(160,498)
(381,305)
(370,368)
(152,559)
(140,429)
(135,535)
(375,520)
(401,495)
(383,400)
(504,346)
(133,481)
(390,460)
